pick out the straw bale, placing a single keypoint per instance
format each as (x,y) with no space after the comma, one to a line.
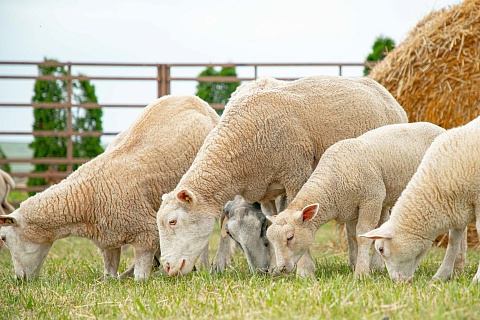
(435,73)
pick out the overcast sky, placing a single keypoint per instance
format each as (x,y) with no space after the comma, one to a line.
(239,31)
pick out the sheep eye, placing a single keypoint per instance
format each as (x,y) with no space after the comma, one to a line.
(380,249)
(289,238)
(172,222)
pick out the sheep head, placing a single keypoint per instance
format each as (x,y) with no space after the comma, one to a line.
(247,226)
(185,224)
(291,234)
(401,251)
(28,256)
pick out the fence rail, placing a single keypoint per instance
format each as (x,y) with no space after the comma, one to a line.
(163,79)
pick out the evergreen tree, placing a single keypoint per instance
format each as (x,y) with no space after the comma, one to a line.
(4,167)
(217,92)
(380,48)
(55,119)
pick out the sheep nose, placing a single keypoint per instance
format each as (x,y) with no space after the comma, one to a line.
(167,267)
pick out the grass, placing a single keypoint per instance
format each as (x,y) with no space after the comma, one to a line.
(71,286)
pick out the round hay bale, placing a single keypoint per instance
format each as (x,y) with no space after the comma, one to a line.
(435,73)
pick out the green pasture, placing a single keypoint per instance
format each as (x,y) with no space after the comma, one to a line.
(71,286)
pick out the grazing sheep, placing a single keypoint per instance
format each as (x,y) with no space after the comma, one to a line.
(247,226)
(444,194)
(356,182)
(250,152)
(113,199)
(6,184)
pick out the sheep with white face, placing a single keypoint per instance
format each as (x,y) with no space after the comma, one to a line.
(113,198)
(443,194)
(6,184)
(249,153)
(356,182)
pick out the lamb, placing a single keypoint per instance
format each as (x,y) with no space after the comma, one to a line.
(6,184)
(113,199)
(249,153)
(443,194)
(356,182)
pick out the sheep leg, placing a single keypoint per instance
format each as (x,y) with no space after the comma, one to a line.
(461,258)
(111,260)
(350,228)
(203,261)
(280,203)
(143,262)
(269,208)
(129,271)
(453,248)
(368,217)
(223,256)
(376,263)
(306,265)
(476,278)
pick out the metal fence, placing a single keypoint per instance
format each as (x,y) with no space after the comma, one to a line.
(163,76)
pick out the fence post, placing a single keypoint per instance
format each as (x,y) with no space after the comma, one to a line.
(167,79)
(69,120)
(163,75)
(159,81)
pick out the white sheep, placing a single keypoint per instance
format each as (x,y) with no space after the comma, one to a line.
(113,199)
(6,185)
(356,182)
(444,194)
(266,144)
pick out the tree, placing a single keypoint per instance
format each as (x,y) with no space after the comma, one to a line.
(4,167)
(55,119)
(381,47)
(217,92)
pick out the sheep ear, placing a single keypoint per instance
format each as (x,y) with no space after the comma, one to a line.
(309,212)
(383,232)
(223,230)
(227,208)
(6,221)
(186,196)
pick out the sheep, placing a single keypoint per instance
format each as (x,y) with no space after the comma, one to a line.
(356,182)
(6,184)
(443,194)
(249,153)
(113,199)
(247,225)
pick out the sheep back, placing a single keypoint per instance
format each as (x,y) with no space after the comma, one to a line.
(276,131)
(115,196)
